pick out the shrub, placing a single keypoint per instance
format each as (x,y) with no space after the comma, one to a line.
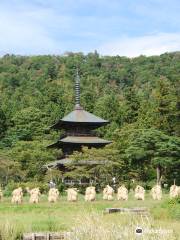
(12,185)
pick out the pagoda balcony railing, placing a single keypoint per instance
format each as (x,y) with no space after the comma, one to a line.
(76,182)
(79,134)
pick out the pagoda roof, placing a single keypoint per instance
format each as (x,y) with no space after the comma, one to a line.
(82,140)
(65,161)
(79,115)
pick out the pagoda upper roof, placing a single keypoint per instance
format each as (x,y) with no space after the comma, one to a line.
(79,115)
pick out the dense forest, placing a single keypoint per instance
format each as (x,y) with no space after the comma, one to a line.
(139,96)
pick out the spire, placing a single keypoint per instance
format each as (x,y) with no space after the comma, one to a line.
(77,91)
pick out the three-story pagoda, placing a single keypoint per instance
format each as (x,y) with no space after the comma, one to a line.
(78,126)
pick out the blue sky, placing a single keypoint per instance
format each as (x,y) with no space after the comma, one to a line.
(112,27)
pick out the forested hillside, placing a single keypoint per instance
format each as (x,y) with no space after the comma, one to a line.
(138,96)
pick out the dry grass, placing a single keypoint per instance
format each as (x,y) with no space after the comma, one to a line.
(86,221)
(92,226)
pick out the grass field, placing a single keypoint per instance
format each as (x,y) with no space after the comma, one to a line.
(65,216)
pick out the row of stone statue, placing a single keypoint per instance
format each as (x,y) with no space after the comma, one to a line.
(90,194)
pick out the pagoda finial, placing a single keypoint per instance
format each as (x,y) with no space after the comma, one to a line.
(77,90)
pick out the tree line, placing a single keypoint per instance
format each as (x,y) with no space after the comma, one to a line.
(139,96)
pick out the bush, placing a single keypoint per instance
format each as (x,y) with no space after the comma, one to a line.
(173,207)
(9,188)
(13,185)
(61,188)
(174,201)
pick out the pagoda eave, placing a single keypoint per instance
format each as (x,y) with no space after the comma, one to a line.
(83,139)
(65,124)
(66,161)
(80,141)
(80,117)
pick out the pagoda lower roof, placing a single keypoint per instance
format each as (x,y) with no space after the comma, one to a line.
(67,161)
(83,139)
(79,115)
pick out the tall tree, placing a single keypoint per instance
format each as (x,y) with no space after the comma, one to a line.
(3,124)
(143,148)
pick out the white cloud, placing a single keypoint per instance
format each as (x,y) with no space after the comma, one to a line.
(149,45)
(27,31)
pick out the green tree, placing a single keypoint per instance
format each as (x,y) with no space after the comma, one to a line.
(164,99)
(9,170)
(100,165)
(28,124)
(32,157)
(146,148)
(3,124)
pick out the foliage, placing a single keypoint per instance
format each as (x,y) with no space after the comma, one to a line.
(32,156)
(2,123)
(143,148)
(9,170)
(139,96)
(105,160)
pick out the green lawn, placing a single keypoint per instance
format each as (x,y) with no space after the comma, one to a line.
(63,215)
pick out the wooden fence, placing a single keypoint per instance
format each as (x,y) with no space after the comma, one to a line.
(141,211)
(45,236)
